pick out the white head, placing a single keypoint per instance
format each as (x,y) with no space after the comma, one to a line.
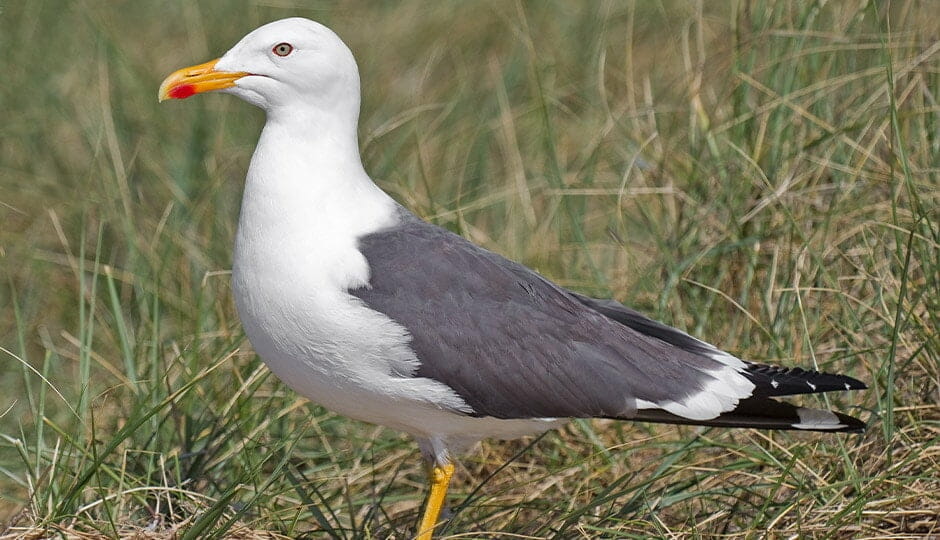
(291,65)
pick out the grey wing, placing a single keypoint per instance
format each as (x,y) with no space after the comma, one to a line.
(514,345)
(769,380)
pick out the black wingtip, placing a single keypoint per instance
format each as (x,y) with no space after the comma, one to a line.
(772,381)
(764,413)
(854,384)
(852,425)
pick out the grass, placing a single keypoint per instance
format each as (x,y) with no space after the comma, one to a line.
(763,174)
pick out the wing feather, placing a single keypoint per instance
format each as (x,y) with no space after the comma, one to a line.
(515,345)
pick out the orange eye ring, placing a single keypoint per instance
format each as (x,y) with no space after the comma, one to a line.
(282,49)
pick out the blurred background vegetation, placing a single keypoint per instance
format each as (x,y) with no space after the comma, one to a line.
(761,173)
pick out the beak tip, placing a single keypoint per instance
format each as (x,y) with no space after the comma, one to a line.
(163,93)
(175,91)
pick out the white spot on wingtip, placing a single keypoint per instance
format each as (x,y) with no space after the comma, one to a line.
(848,386)
(817,419)
(811,385)
(774,383)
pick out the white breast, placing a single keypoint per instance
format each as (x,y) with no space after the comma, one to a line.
(295,259)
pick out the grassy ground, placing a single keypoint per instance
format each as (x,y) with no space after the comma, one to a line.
(763,174)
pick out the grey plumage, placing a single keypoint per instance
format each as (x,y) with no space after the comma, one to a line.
(514,345)
(769,380)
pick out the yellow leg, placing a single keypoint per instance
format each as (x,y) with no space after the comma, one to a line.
(439,479)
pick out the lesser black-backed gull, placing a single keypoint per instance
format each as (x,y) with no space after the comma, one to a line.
(366,309)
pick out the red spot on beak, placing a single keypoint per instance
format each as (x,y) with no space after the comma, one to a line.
(182,91)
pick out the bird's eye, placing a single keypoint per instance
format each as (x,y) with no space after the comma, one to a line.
(282,49)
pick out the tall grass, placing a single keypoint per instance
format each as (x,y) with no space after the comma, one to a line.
(763,174)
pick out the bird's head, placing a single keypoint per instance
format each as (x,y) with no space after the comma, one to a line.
(282,64)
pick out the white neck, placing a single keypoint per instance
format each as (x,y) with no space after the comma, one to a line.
(325,131)
(308,199)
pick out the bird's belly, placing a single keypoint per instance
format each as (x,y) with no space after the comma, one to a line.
(292,331)
(332,349)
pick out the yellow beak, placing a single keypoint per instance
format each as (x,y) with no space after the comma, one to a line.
(197,79)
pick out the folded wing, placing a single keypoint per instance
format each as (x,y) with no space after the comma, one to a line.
(514,345)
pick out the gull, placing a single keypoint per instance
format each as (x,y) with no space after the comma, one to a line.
(364,308)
